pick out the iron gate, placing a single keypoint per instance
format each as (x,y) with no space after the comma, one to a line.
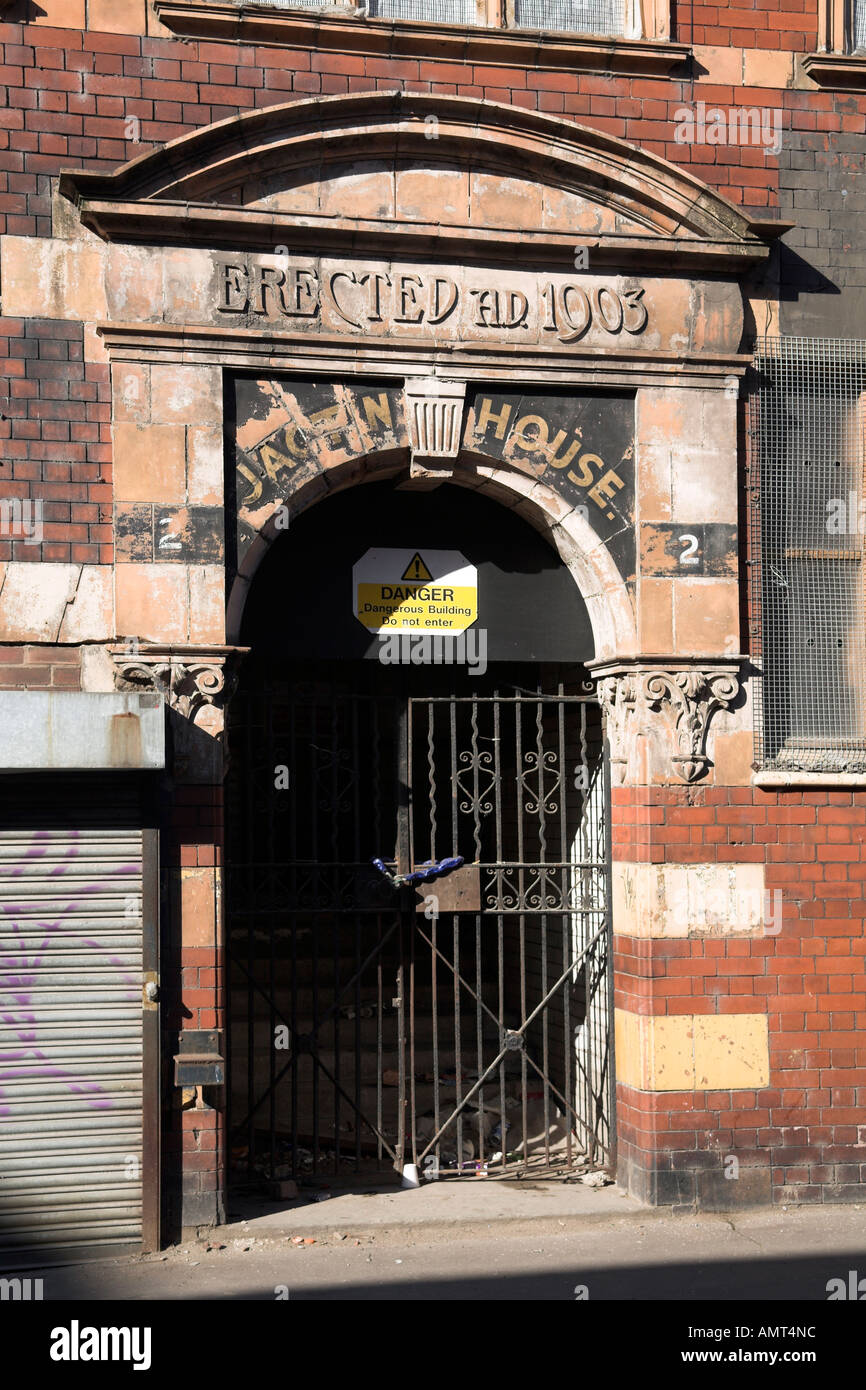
(461,1024)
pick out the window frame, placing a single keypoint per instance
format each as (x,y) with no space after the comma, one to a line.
(805,755)
(339,27)
(836,63)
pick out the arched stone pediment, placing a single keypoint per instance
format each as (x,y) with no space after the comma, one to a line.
(371,166)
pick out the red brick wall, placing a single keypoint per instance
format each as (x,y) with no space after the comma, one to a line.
(787,24)
(33,667)
(807,1127)
(55,440)
(194,997)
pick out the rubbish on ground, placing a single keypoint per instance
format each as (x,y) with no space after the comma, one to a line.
(596,1179)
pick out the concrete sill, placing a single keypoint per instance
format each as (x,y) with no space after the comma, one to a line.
(837,70)
(402,38)
(832,781)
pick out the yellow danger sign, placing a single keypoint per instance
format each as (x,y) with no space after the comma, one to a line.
(434,592)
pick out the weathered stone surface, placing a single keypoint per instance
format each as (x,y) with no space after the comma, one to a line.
(206,603)
(52,279)
(185,395)
(149,462)
(197,906)
(89,616)
(33,600)
(707,616)
(689,900)
(204,465)
(153,602)
(688,1052)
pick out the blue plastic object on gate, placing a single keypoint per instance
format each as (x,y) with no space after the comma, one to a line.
(425,874)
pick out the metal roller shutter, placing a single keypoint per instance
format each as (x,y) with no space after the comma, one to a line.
(71,1130)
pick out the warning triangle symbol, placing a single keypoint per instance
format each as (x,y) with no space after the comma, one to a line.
(416,569)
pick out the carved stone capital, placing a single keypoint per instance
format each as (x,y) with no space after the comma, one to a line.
(686,696)
(195,681)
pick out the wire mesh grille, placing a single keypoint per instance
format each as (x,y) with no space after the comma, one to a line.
(808,522)
(859,25)
(298,4)
(432,11)
(572,16)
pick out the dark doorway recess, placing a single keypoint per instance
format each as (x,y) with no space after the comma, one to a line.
(461,1025)
(300,607)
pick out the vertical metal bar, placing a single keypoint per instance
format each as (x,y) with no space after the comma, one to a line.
(355,765)
(404,813)
(400,1144)
(609,981)
(380,1008)
(294,763)
(376,754)
(413,1118)
(411,924)
(566,889)
(542,855)
(479,991)
(314,855)
(521,920)
(272,1013)
(251,998)
(476,807)
(455,927)
(589,1044)
(431,778)
(151,1110)
(455,789)
(410,817)
(402,854)
(500,947)
(435,1007)
(458,1058)
(500,931)
(338,924)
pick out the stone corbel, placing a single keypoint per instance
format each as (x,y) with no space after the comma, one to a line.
(618,698)
(434,413)
(685,695)
(196,681)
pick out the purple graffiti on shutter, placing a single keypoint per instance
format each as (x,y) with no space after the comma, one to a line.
(19,973)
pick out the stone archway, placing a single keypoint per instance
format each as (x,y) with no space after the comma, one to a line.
(579,547)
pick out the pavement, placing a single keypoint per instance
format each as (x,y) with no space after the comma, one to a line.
(469,1206)
(489,1241)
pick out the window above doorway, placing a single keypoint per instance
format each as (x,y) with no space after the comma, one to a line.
(608,18)
(611,36)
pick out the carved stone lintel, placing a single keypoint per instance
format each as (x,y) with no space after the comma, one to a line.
(686,697)
(192,680)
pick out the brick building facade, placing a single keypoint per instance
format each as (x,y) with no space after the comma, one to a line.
(197,195)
